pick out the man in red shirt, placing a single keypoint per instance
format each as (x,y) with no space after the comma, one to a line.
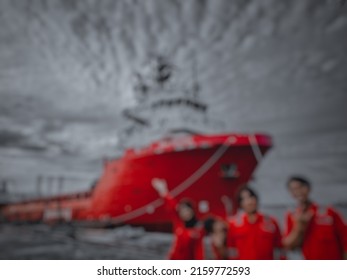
(319,231)
(252,234)
(188,231)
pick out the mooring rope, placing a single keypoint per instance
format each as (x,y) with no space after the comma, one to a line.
(150,207)
(255,147)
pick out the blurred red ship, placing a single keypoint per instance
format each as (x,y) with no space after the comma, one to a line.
(197,159)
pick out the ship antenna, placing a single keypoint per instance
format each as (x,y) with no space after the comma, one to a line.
(196,85)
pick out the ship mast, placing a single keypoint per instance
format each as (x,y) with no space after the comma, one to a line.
(196,85)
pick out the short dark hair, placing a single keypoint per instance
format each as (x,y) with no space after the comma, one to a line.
(208,224)
(186,203)
(210,221)
(249,190)
(304,181)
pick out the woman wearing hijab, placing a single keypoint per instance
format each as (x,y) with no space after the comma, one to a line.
(188,231)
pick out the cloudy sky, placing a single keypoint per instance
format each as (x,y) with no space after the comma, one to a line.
(277,67)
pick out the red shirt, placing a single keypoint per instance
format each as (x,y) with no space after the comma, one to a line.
(325,237)
(260,240)
(187,241)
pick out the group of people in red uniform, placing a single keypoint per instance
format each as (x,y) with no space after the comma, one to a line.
(316,232)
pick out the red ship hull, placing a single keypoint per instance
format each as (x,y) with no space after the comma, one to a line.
(203,169)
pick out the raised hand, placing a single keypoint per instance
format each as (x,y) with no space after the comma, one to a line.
(303,218)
